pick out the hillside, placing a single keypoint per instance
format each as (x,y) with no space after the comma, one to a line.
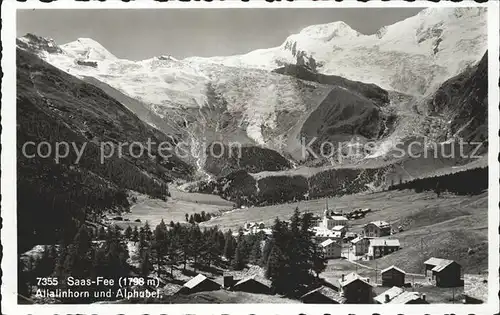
(463,100)
(443,227)
(55,195)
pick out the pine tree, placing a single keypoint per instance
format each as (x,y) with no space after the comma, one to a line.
(145,266)
(239,256)
(23,281)
(228,246)
(128,232)
(256,255)
(135,235)
(147,231)
(191,219)
(186,216)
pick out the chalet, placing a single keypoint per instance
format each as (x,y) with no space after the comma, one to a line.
(355,289)
(393,277)
(377,229)
(323,295)
(443,272)
(251,285)
(360,245)
(475,289)
(397,295)
(199,283)
(331,249)
(380,247)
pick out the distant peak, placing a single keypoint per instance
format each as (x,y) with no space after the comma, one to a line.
(329,31)
(37,43)
(88,48)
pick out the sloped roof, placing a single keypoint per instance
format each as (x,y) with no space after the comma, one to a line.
(338,227)
(393,267)
(327,292)
(326,233)
(405,297)
(360,238)
(380,224)
(439,263)
(392,293)
(195,281)
(397,296)
(338,218)
(328,242)
(250,278)
(384,242)
(350,278)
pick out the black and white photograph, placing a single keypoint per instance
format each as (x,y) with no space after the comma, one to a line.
(231,155)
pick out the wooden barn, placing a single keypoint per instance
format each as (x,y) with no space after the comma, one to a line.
(251,285)
(443,272)
(323,295)
(355,289)
(393,276)
(199,283)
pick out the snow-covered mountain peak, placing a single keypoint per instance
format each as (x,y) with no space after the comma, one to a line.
(88,49)
(412,56)
(329,31)
(38,44)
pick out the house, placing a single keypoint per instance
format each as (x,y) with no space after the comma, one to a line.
(349,236)
(323,295)
(380,247)
(360,245)
(330,221)
(355,289)
(393,277)
(342,229)
(396,295)
(377,229)
(443,272)
(322,234)
(475,289)
(331,249)
(251,285)
(198,284)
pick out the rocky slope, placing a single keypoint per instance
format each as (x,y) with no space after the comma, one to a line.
(55,194)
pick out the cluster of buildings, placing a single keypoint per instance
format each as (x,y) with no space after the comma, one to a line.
(254,228)
(329,232)
(372,243)
(353,288)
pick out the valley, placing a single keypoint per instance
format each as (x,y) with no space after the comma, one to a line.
(273,157)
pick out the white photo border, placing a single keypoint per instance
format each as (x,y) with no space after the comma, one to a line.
(9,176)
